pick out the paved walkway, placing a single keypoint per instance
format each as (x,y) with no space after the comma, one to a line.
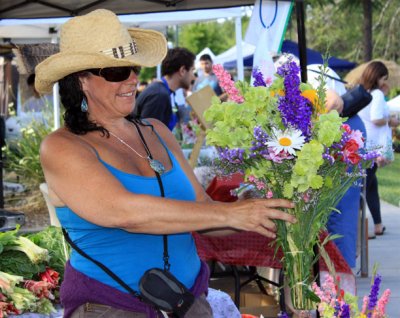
(385,252)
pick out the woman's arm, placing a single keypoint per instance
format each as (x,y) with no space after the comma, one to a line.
(377,113)
(76,176)
(380,122)
(392,121)
(201,194)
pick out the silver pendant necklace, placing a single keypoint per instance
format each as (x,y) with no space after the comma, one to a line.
(156,165)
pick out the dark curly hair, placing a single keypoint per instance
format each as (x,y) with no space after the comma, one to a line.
(75,120)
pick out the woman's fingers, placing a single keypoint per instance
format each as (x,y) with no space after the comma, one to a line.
(269,224)
(275,203)
(258,215)
(265,232)
(280,215)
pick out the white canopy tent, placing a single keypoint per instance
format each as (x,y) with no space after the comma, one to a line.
(206,50)
(232,53)
(25,9)
(34,31)
(27,30)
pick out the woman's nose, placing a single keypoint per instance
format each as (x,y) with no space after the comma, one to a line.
(133,78)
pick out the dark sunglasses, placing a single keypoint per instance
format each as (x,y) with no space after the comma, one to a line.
(115,74)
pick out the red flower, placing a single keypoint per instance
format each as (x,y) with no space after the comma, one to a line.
(351,146)
(346,128)
(354,158)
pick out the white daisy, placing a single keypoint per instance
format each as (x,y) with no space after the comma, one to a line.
(287,140)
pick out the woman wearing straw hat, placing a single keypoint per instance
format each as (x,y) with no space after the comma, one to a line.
(122,188)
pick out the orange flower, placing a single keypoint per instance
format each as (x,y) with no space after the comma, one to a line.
(311,95)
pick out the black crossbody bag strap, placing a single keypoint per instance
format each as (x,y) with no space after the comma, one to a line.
(108,271)
(101,265)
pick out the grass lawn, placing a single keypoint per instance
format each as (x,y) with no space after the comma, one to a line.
(389,182)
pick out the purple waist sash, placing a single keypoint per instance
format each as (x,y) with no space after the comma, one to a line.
(78,289)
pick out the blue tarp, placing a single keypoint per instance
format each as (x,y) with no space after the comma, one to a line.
(313,57)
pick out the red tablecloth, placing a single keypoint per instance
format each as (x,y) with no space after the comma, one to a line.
(249,248)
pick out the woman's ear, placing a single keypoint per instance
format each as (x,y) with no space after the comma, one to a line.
(83,79)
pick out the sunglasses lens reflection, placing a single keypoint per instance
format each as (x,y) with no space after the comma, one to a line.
(117,74)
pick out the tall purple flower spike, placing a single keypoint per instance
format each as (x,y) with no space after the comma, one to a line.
(295,109)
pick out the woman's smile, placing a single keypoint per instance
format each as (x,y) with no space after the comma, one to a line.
(128,94)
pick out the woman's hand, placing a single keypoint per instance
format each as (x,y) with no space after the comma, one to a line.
(381,161)
(333,101)
(258,215)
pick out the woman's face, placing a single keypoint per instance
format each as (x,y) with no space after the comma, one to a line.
(112,98)
(383,82)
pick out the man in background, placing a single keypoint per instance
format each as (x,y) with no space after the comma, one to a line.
(158,99)
(207,77)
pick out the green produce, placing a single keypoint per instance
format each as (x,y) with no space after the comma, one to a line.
(52,239)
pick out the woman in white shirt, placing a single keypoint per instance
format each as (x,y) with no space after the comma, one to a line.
(377,122)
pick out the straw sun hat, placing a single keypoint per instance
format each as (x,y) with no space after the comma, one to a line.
(98,40)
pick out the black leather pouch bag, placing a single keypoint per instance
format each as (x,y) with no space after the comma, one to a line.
(354,100)
(162,290)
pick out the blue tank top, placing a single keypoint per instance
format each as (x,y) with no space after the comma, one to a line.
(127,254)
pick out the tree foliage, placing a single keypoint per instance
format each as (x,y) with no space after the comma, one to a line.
(338,26)
(334,26)
(218,36)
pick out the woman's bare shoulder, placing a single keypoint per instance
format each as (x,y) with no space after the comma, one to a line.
(63,143)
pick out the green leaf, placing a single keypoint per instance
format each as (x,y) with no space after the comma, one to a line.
(312,296)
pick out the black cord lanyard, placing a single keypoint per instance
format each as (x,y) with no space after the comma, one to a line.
(167,265)
(108,271)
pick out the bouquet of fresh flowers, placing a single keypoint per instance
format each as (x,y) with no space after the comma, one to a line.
(279,135)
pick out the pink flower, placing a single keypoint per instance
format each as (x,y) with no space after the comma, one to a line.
(279,157)
(357,136)
(260,185)
(365,305)
(379,312)
(227,84)
(269,194)
(306,197)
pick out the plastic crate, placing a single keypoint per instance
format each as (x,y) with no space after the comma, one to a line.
(9,220)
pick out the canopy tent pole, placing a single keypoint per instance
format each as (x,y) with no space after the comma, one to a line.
(238,31)
(56,107)
(56,96)
(301,36)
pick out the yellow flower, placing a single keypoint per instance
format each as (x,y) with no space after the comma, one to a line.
(279,92)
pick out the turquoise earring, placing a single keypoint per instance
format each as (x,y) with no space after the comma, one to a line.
(84,105)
